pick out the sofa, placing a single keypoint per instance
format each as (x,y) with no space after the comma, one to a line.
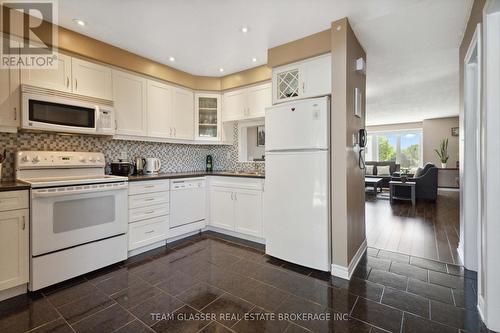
(393,168)
(426,180)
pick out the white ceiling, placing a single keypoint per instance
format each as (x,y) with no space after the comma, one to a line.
(412,45)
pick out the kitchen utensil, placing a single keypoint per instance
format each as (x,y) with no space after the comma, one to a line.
(153,165)
(122,168)
(140,164)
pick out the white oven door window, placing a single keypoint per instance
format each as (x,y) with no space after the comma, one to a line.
(68,216)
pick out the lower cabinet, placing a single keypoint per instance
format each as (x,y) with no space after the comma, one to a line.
(14,241)
(236,205)
(149,213)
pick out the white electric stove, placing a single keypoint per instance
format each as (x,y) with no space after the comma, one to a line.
(79,215)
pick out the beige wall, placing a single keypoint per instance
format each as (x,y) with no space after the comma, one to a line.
(348,201)
(435,130)
(307,47)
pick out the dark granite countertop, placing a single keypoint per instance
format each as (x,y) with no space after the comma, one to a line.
(174,175)
(13,185)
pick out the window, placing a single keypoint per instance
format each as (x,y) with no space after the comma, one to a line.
(402,147)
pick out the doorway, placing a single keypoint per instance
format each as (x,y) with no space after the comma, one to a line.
(470,168)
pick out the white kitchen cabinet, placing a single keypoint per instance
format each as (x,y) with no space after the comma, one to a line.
(222,208)
(259,98)
(304,79)
(91,79)
(247,103)
(59,78)
(317,76)
(130,96)
(183,113)
(208,116)
(73,75)
(148,214)
(159,110)
(9,99)
(248,212)
(236,204)
(14,239)
(235,105)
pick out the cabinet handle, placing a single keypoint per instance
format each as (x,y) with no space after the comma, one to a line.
(76,84)
(175,132)
(303,87)
(116,124)
(149,232)
(149,186)
(67,81)
(15,113)
(150,212)
(149,199)
(24,223)
(235,197)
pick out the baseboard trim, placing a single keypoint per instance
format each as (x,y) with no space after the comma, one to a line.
(13,292)
(346,272)
(236,234)
(146,248)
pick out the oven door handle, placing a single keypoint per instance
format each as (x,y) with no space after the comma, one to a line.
(81,189)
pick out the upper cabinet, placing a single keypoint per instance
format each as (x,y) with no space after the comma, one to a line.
(207,116)
(183,113)
(58,78)
(91,79)
(129,92)
(72,75)
(9,99)
(159,110)
(308,78)
(247,103)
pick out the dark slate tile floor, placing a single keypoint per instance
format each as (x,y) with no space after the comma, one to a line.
(215,283)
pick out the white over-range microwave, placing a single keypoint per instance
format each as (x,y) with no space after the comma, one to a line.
(55,111)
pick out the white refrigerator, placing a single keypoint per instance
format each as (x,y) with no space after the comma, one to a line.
(297,187)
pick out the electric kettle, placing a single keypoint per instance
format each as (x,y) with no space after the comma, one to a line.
(153,165)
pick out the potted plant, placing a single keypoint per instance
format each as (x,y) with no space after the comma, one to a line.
(443,152)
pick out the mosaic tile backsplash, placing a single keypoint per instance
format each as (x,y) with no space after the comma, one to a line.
(174,157)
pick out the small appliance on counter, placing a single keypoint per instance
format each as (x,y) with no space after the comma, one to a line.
(122,168)
(140,164)
(152,166)
(210,165)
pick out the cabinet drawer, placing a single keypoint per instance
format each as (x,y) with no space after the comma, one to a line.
(148,199)
(147,232)
(137,214)
(148,186)
(10,200)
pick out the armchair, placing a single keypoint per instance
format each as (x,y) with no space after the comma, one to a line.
(426,182)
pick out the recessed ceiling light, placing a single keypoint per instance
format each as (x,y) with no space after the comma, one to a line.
(80,22)
(172,59)
(254,59)
(221,70)
(244,30)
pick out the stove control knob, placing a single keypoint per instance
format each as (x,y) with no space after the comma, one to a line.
(82,159)
(92,159)
(36,159)
(25,158)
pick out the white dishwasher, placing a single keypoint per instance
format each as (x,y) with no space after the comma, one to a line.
(187,201)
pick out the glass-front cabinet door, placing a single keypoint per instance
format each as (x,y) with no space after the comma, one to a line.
(208,116)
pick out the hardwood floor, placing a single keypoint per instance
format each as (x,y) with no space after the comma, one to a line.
(428,230)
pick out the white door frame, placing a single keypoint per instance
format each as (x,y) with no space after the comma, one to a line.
(489,233)
(470,169)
